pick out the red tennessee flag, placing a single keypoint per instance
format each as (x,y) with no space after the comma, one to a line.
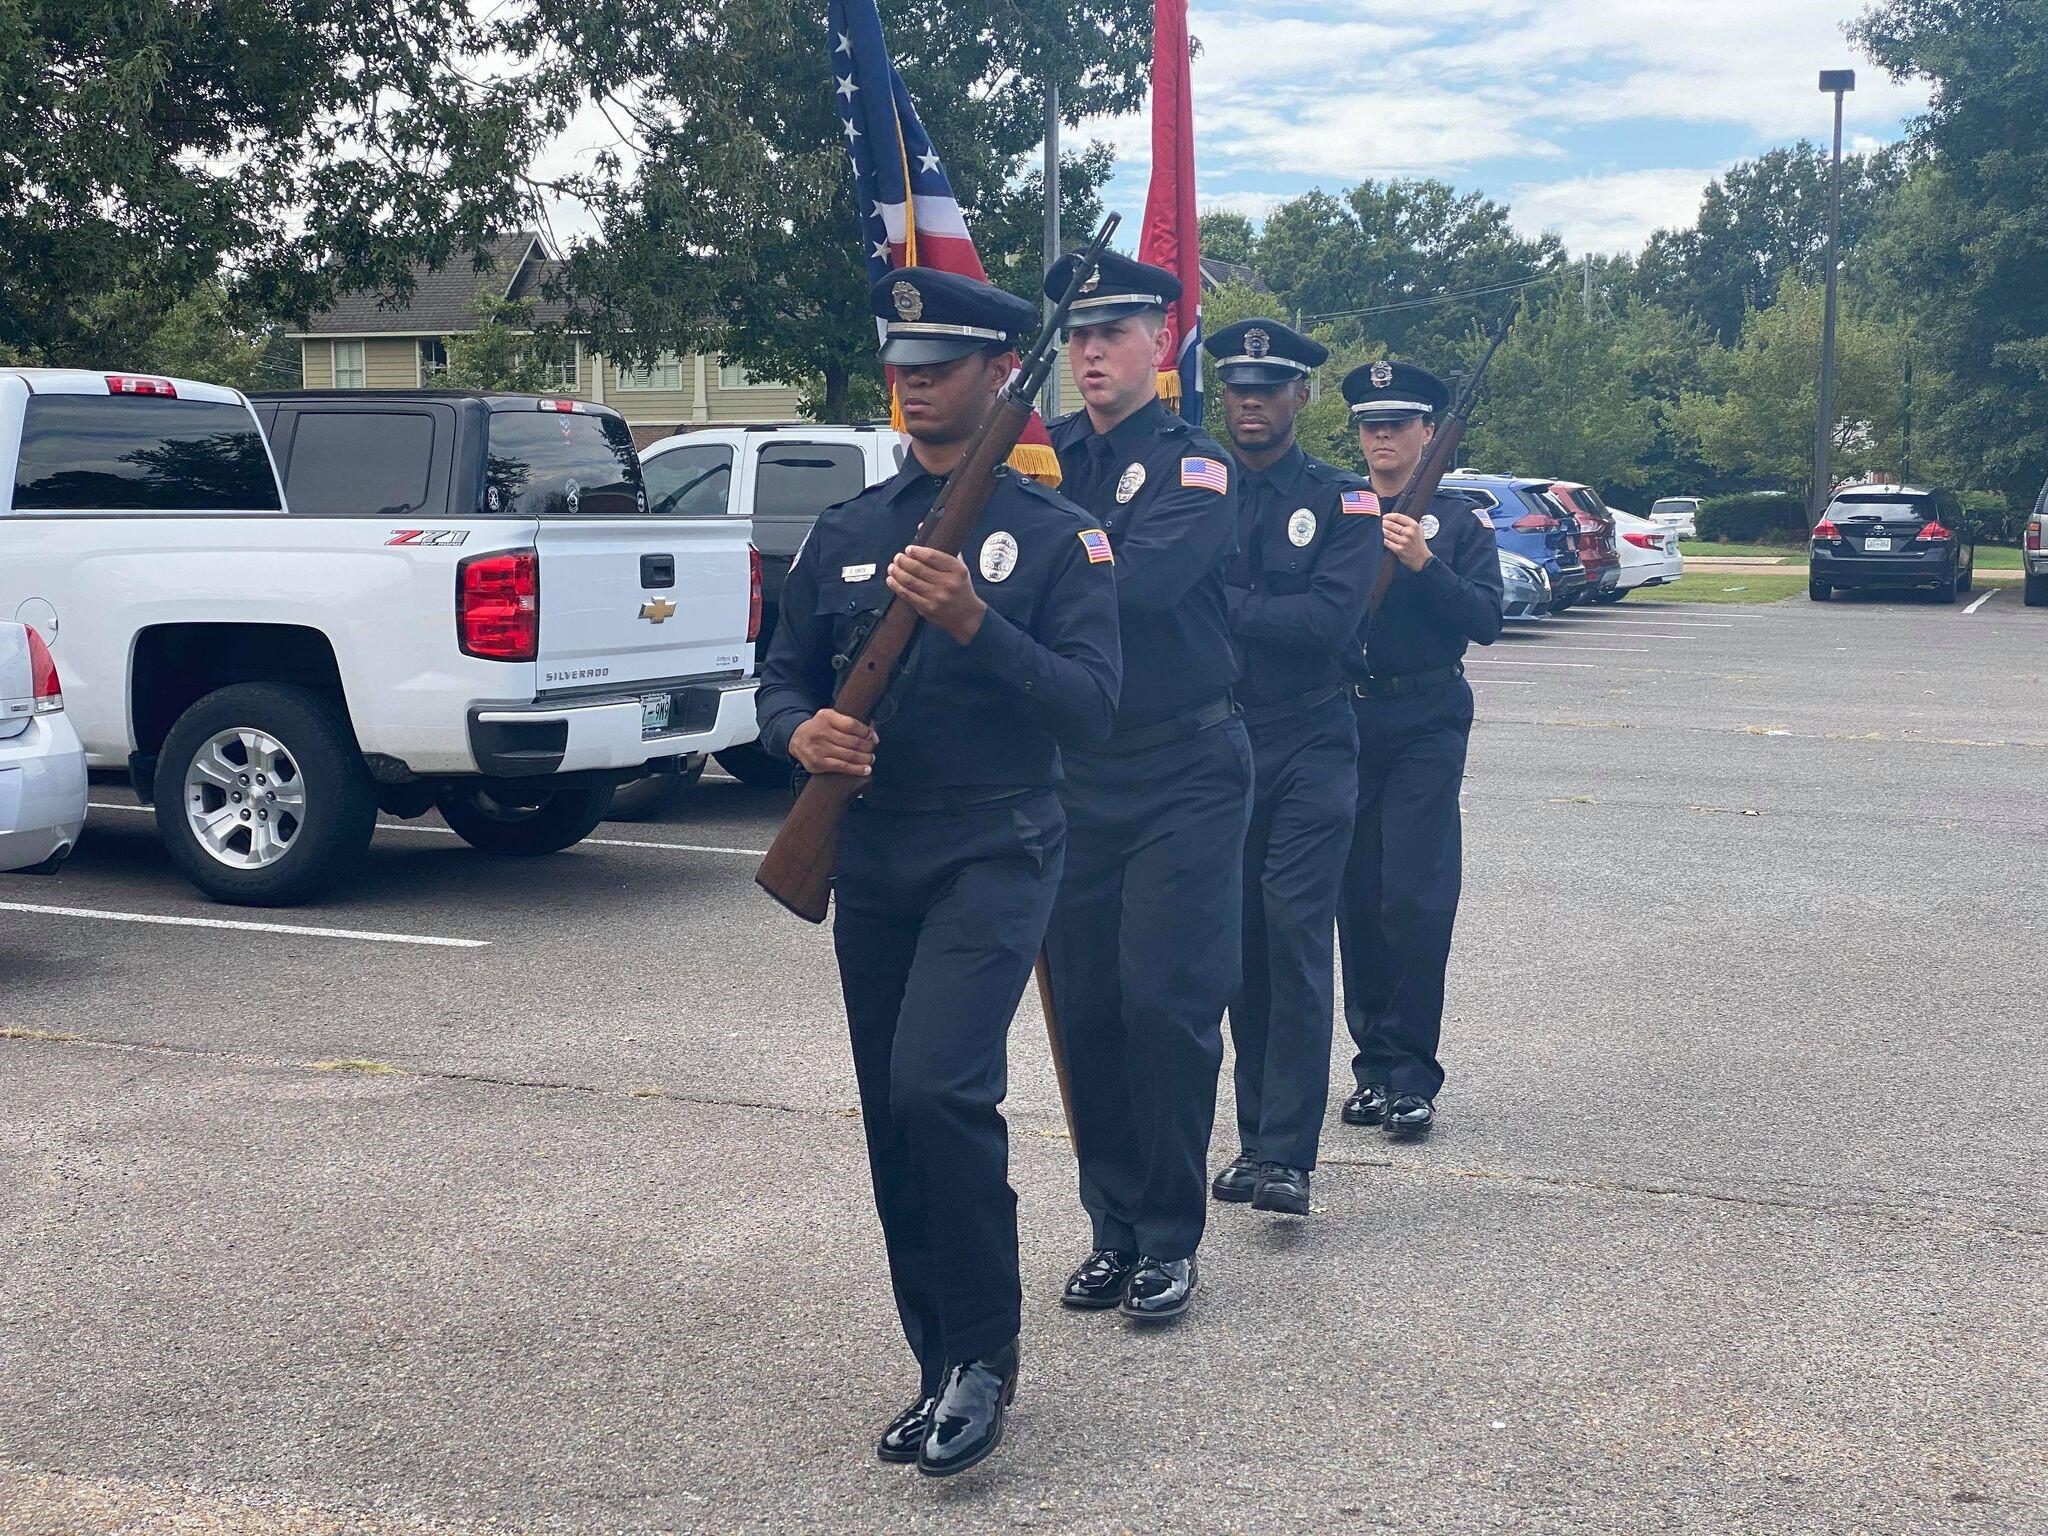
(1169,238)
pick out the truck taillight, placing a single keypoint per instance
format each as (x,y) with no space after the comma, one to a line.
(139,384)
(753,593)
(497,605)
(48,692)
(1825,532)
(2034,535)
(1935,533)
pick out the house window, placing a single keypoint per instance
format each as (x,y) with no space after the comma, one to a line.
(433,360)
(348,365)
(733,376)
(565,371)
(667,373)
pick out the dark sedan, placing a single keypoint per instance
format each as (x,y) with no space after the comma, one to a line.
(1892,536)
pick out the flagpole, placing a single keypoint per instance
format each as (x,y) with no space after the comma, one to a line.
(1051,397)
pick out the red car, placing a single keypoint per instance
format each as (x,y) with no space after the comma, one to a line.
(1596,539)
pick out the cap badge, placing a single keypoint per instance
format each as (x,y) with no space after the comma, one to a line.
(998,557)
(1301,528)
(1382,375)
(909,302)
(1094,281)
(1257,343)
(1132,482)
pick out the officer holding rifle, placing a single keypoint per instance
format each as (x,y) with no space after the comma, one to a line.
(948,863)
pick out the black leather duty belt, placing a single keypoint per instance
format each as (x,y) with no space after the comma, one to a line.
(958,797)
(1289,709)
(1407,682)
(1145,737)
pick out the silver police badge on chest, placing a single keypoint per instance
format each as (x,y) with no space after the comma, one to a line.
(1132,482)
(998,557)
(1430,525)
(1301,528)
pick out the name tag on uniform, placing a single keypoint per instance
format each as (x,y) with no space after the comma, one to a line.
(857,572)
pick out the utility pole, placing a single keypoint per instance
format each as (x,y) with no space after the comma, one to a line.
(1839,82)
(1050,399)
(1586,291)
(1906,440)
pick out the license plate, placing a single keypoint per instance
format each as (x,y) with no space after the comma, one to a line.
(654,713)
(1877,543)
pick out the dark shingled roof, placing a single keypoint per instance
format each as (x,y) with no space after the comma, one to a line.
(445,301)
(1216,273)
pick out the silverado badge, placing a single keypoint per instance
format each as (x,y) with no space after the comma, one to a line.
(657,610)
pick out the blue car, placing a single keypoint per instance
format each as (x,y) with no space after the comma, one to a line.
(1530,522)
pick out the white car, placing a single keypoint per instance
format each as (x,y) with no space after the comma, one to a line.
(42,764)
(1677,513)
(1524,587)
(1649,555)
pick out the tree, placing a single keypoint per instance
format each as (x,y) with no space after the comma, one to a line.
(1228,237)
(1967,247)
(734,228)
(293,149)
(503,350)
(1763,218)
(1559,400)
(1397,248)
(1757,420)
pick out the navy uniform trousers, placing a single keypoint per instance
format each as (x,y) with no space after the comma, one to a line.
(1401,884)
(940,916)
(1144,944)
(1305,790)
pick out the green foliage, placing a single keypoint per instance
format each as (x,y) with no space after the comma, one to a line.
(735,227)
(504,351)
(1993,519)
(1559,399)
(1228,237)
(1753,517)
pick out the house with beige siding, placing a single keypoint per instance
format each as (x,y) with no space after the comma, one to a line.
(371,341)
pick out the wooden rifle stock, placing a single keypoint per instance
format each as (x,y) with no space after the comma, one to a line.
(798,869)
(1437,460)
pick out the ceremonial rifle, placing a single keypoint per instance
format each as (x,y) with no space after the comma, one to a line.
(798,869)
(1437,460)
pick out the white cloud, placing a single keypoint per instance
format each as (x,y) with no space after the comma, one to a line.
(1615,212)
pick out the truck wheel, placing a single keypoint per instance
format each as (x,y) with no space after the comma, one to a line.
(525,816)
(755,765)
(654,794)
(262,796)
(2036,591)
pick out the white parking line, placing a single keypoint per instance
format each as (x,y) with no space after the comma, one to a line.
(244,927)
(1607,650)
(1630,633)
(1499,661)
(398,826)
(1593,620)
(1980,602)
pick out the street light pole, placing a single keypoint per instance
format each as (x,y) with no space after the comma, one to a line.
(1839,82)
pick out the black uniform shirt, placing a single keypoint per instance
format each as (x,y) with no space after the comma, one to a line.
(1168,498)
(1042,670)
(1309,543)
(1430,615)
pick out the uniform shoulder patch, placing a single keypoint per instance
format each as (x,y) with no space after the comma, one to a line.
(1096,542)
(1206,473)
(1360,503)
(1480,513)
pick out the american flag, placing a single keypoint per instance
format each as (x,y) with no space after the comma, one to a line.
(1209,474)
(1361,501)
(1096,542)
(909,216)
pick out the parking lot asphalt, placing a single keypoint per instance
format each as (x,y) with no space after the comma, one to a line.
(1736,1218)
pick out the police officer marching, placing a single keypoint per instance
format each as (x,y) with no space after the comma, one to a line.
(948,863)
(1309,545)
(1143,945)
(1414,711)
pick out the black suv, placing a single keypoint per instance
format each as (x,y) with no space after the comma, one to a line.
(1892,536)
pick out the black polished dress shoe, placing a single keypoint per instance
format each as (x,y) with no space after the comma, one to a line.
(1410,1116)
(967,1422)
(904,1437)
(1368,1106)
(1159,1289)
(1281,1189)
(1235,1184)
(1099,1283)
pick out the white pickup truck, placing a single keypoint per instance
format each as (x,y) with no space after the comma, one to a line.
(407,601)
(778,479)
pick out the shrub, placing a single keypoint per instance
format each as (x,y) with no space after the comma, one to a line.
(1992,518)
(1753,517)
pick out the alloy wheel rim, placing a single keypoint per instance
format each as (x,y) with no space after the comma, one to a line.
(245,798)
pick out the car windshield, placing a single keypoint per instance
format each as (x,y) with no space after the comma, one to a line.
(1881,506)
(562,464)
(1673,504)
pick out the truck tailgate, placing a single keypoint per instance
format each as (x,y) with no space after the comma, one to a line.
(640,599)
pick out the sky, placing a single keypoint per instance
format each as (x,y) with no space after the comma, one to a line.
(1601,120)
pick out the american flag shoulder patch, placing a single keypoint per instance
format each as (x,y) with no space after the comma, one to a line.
(1364,502)
(1209,474)
(1096,542)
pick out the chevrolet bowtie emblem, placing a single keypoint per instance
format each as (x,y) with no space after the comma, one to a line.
(657,610)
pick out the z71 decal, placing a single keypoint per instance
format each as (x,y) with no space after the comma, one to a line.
(428,536)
